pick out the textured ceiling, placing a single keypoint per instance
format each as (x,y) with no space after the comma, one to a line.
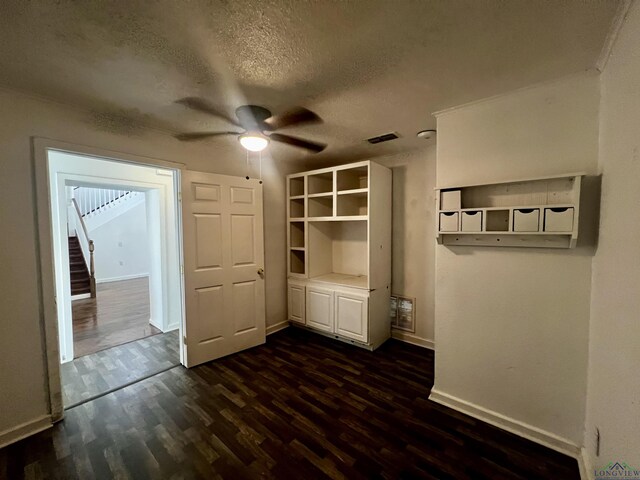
(366,67)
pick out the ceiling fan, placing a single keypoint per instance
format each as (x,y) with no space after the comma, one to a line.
(258,123)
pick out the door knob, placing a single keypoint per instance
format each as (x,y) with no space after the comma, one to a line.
(261,272)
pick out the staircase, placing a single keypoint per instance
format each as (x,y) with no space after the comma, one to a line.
(80,278)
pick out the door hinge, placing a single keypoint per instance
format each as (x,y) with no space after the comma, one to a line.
(182,269)
(179,196)
(184,340)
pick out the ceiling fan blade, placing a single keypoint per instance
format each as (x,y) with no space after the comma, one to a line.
(298,142)
(203,106)
(186,137)
(295,116)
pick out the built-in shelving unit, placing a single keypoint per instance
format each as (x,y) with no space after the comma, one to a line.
(539,212)
(339,243)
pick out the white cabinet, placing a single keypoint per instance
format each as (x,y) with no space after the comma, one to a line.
(320,308)
(339,251)
(296,302)
(351,314)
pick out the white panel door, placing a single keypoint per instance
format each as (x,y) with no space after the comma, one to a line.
(352,316)
(295,295)
(223,261)
(320,308)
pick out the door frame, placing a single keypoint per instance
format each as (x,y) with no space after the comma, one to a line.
(45,249)
(163,266)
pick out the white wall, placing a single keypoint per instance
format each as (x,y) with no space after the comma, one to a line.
(23,398)
(613,400)
(413,257)
(122,245)
(512,324)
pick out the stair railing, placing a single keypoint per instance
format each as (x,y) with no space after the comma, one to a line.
(93,201)
(87,247)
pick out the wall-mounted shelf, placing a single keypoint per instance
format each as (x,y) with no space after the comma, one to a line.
(539,212)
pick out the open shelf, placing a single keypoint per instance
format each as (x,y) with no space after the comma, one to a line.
(353,178)
(498,220)
(535,213)
(296,208)
(296,186)
(320,183)
(296,234)
(353,204)
(355,281)
(320,195)
(296,262)
(320,206)
(338,248)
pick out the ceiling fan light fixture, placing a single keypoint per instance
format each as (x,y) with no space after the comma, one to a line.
(253,141)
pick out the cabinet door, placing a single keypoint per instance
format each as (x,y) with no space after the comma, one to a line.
(295,295)
(352,316)
(320,308)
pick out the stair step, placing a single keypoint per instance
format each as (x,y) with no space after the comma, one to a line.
(80,291)
(80,279)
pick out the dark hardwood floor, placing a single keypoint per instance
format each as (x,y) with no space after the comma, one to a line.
(119,314)
(300,407)
(94,374)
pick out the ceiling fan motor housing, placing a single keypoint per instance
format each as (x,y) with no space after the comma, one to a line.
(252,117)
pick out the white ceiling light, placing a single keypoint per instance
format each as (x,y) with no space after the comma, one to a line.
(426,134)
(253,141)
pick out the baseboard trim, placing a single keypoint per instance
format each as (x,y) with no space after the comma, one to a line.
(25,430)
(277,327)
(516,427)
(584,464)
(413,339)
(123,277)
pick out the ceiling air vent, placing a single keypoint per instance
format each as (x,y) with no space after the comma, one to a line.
(383,138)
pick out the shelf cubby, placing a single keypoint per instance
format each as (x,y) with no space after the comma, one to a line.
(296,186)
(297,262)
(320,183)
(352,204)
(320,206)
(353,178)
(296,208)
(338,248)
(498,220)
(296,234)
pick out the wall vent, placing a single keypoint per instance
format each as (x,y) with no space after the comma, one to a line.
(383,138)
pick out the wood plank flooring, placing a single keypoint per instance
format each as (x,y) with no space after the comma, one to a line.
(119,314)
(299,407)
(92,375)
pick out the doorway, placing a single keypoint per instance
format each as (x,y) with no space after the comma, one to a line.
(216,298)
(117,263)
